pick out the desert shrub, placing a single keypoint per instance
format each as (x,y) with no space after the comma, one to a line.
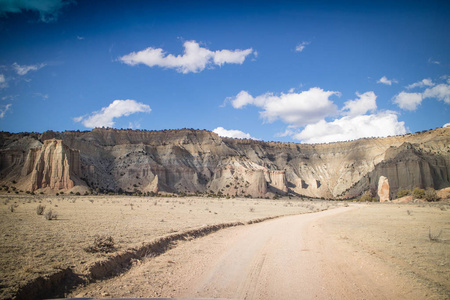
(252,209)
(418,193)
(430,195)
(12,207)
(367,197)
(434,237)
(40,210)
(103,244)
(50,215)
(403,193)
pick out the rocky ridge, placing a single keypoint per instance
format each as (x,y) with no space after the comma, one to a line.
(199,161)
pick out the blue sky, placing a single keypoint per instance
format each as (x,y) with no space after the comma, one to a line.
(290,71)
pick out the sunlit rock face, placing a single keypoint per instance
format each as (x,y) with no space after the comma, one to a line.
(199,161)
(383,189)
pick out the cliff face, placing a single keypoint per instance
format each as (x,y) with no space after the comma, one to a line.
(53,166)
(189,161)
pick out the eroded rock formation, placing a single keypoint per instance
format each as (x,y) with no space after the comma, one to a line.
(383,189)
(191,161)
(53,166)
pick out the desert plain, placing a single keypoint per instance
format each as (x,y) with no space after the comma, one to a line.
(409,242)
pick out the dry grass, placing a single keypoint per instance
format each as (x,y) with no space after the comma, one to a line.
(412,238)
(32,246)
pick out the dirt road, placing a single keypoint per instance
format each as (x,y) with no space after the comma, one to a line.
(285,258)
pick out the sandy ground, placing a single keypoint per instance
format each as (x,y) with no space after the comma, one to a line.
(398,236)
(345,253)
(31,246)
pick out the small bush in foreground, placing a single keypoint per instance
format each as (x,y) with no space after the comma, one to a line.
(103,244)
(50,215)
(434,237)
(40,210)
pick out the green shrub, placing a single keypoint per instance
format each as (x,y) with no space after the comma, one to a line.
(367,197)
(418,193)
(403,193)
(430,195)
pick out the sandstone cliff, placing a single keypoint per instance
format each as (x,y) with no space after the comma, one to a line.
(190,161)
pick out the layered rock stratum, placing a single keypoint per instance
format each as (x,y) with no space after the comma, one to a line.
(199,161)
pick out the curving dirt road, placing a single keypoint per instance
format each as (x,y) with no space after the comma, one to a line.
(285,258)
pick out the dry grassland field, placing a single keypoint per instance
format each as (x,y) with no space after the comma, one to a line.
(32,246)
(412,238)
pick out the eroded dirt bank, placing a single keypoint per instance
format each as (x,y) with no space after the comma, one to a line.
(293,257)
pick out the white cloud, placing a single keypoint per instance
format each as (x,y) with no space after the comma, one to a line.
(408,101)
(351,128)
(431,61)
(2,78)
(296,109)
(194,59)
(386,81)
(366,102)
(40,95)
(118,108)
(237,134)
(80,37)
(23,70)
(300,47)
(242,99)
(77,119)
(446,125)
(440,91)
(4,109)
(49,10)
(423,83)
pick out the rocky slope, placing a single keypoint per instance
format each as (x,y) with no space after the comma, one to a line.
(189,161)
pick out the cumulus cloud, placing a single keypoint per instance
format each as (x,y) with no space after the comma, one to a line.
(194,59)
(300,47)
(237,134)
(446,125)
(350,128)
(420,84)
(408,101)
(23,70)
(386,81)
(296,109)
(310,109)
(4,109)
(440,92)
(366,102)
(48,10)
(118,108)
